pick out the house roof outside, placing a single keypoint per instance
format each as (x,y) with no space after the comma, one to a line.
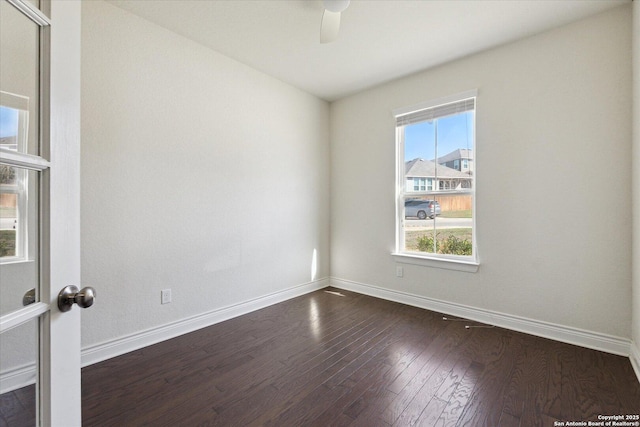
(427,169)
(460,153)
(9,142)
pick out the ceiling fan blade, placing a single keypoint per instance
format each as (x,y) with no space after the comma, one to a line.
(336,5)
(330,26)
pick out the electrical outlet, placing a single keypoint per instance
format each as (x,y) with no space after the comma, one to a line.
(399,271)
(165,296)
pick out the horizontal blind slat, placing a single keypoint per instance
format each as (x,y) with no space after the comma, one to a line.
(436,112)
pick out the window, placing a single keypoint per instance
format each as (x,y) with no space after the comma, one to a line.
(14,181)
(419,184)
(435,145)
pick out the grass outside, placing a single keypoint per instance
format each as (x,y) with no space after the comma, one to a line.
(6,212)
(411,237)
(456,214)
(7,243)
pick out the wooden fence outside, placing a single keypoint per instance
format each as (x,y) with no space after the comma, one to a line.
(452,202)
(8,200)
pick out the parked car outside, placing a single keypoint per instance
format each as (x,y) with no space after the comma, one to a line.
(421,209)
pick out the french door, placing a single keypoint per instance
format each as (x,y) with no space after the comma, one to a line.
(40,208)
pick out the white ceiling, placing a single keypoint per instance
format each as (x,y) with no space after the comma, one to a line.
(379,40)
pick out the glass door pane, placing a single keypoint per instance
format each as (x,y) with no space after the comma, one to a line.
(19,81)
(18,375)
(19,214)
(19,263)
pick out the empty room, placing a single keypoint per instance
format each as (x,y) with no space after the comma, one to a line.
(319,213)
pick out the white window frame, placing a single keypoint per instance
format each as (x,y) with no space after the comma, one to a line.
(21,186)
(451,262)
(20,190)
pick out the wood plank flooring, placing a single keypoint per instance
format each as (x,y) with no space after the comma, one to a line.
(325,359)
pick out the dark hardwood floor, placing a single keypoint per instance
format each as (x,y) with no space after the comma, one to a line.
(325,359)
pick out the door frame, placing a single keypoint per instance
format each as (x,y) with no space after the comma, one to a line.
(58,396)
(61,342)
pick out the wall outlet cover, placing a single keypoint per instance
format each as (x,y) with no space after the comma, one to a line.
(165,296)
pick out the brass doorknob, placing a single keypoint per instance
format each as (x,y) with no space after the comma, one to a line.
(70,295)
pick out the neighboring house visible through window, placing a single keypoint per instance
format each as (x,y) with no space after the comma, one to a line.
(436,180)
(419,184)
(13,180)
(459,159)
(421,170)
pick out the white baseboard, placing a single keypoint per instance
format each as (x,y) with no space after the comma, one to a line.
(588,339)
(635,358)
(26,375)
(116,347)
(17,378)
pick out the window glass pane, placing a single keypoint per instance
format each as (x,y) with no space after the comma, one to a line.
(438,197)
(18,350)
(8,223)
(14,128)
(18,236)
(19,86)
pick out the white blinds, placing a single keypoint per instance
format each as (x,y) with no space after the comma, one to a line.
(436,112)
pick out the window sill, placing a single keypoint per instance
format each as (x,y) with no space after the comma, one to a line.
(14,260)
(444,263)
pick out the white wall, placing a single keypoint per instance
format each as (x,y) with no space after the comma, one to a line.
(553,179)
(636,187)
(212,179)
(199,174)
